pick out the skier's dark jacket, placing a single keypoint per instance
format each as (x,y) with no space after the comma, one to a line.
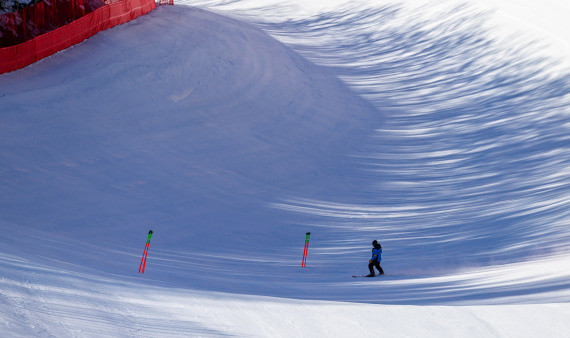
(377,253)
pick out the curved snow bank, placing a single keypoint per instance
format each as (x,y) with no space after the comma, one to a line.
(211,133)
(470,166)
(190,130)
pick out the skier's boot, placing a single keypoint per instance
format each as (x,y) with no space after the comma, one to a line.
(370,275)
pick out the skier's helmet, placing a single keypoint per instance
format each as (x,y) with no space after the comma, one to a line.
(374,242)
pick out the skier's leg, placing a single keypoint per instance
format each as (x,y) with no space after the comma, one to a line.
(379,268)
(371,268)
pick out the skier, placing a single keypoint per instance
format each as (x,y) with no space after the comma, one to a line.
(375,260)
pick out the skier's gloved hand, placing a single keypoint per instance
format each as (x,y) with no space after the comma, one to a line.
(369,261)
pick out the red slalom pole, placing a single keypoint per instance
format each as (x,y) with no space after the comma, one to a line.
(305,251)
(143,257)
(144,264)
(145,253)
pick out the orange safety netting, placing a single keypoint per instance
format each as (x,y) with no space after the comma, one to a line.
(81,28)
(42,17)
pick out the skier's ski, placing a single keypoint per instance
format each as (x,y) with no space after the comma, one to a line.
(357,276)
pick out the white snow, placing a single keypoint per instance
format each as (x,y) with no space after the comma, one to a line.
(83,305)
(231,128)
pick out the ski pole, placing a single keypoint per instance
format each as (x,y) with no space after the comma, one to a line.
(145,253)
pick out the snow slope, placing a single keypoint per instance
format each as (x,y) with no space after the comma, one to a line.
(47,302)
(232,138)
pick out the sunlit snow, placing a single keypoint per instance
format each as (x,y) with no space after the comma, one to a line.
(232,128)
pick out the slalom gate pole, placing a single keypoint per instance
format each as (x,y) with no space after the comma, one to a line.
(305,251)
(143,256)
(145,253)
(144,264)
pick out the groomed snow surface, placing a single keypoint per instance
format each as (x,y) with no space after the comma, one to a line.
(232,128)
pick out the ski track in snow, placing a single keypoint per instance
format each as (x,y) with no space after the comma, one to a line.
(447,145)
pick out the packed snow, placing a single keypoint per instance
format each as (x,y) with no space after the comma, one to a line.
(232,128)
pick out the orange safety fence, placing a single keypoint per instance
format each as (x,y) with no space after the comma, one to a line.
(42,17)
(53,41)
